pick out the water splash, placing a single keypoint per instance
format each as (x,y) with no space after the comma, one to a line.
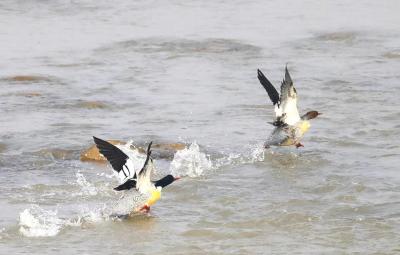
(87,188)
(254,154)
(94,215)
(1,232)
(190,162)
(38,222)
(193,163)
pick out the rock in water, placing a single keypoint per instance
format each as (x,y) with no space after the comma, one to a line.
(92,105)
(27,78)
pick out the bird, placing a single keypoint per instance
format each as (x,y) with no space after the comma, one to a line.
(289,126)
(139,181)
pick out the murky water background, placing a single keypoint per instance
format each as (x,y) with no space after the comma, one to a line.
(186,71)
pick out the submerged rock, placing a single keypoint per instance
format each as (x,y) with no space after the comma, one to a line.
(30,94)
(162,150)
(348,36)
(392,54)
(2,147)
(92,105)
(27,78)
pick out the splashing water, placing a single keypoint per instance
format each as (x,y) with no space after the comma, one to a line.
(38,222)
(255,154)
(190,162)
(1,232)
(87,187)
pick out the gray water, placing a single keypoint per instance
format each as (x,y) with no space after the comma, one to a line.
(185,71)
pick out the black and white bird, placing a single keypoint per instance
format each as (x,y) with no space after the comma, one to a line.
(289,126)
(139,181)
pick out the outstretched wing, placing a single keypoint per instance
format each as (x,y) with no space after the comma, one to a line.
(288,100)
(144,183)
(117,158)
(272,93)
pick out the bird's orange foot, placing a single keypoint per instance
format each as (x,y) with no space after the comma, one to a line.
(298,145)
(145,209)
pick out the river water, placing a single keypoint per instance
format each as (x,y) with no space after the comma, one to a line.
(185,71)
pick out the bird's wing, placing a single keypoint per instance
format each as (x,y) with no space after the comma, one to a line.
(117,158)
(129,184)
(288,100)
(144,183)
(272,92)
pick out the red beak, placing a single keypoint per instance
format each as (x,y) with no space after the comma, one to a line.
(176,178)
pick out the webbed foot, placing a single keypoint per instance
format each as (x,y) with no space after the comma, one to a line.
(298,145)
(145,209)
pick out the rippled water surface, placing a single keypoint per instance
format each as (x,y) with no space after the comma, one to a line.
(185,71)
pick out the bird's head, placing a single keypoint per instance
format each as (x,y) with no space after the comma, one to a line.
(311,115)
(165,181)
(156,194)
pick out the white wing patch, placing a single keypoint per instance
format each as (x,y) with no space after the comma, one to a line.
(133,164)
(144,184)
(278,111)
(289,108)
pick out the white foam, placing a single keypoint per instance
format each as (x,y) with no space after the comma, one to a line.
(1,231)
(190,162)
(257,154)
(94,215)
(86,187)
(254,154)
(38,222)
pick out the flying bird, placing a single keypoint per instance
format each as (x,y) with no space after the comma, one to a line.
(139,181)
(289,126)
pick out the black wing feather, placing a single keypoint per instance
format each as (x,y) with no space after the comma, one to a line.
(288,79)
(129,184)
(286,86)
(144,168)
(114,155)
(272,93)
